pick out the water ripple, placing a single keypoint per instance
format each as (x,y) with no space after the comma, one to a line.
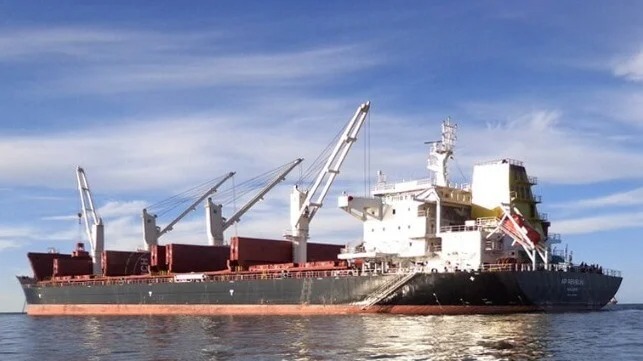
(613,335)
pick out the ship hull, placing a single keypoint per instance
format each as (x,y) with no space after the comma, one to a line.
(421,293)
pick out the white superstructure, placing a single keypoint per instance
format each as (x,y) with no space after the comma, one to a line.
(445,226)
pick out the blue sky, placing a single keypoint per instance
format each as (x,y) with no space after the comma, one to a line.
(153,98)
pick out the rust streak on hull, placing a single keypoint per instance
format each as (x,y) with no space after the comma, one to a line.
(143,310)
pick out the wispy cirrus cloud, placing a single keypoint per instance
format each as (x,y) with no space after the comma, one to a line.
(113,209)
(632,197)
(16,236)
(563,156)
(60,218)
(162,153)
(553,149)
(93,44)
(108,61)
(153,154)
(630,68)
(6,244)
(14,231)
(600,223)
(218,70)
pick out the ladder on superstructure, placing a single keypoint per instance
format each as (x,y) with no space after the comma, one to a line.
(387,289)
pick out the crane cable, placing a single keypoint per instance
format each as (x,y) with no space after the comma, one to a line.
(226,197)
(367,157)
(319,162)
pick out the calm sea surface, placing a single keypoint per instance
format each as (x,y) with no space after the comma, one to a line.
(608,335)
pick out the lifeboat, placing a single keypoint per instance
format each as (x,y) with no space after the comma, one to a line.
(531,233)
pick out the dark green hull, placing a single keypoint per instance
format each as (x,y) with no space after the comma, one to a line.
(461,292)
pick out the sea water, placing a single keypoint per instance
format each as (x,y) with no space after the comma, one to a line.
(615,334)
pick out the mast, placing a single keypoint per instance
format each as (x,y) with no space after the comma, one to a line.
(441,151)
(439,155)
(93,223)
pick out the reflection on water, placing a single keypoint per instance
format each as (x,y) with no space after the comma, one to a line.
(613,335)
(457,337)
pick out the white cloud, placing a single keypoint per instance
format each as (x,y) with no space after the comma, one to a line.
(630,68)
(45,198)
(13,231)
(620,199)
(600,223)
(15,236)
(174,153)
(100,45)
(6,244)
(59,218)
(115,209)
(20,43)
(171,154)
(552,149)
(616,111)
(167,155)
(261,69)
(121,61)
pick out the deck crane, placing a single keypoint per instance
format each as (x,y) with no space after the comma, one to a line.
(216,224)
(304,204)
(94,226)
(152,232)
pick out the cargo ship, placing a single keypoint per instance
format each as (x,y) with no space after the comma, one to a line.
(429,246)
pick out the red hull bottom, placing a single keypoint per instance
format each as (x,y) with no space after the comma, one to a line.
(256,310)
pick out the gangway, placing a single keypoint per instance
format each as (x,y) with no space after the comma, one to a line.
(387,289)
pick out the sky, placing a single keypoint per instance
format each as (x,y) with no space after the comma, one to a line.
(153,98)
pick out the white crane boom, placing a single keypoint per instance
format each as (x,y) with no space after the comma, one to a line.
(303,208)
(94,226)
(152,232)
(215,222)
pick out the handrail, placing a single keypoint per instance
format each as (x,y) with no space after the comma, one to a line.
(393,185)
(330,273)
(501,161)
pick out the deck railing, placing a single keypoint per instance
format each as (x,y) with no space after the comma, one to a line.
(319,274)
